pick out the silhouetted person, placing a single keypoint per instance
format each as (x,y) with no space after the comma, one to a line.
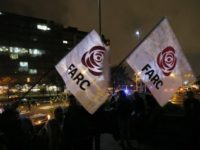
(18,130)
(192,116)
(153,113)
(54,129)
(77,125)
(140,107)
(124,109)
(139,116)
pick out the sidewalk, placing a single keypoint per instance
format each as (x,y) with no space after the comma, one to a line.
(108,143)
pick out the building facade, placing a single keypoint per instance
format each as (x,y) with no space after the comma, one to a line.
(30,47)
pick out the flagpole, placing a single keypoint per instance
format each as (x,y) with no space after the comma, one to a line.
(122,61)
(99,4)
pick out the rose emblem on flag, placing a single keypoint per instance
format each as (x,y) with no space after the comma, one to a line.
(93,60)
(166,60)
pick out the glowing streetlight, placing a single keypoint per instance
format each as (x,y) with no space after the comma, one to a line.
(137,79)
(137,34)
(28,79)
(185,82)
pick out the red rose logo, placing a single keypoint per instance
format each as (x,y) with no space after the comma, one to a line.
(167,60)
(93,60)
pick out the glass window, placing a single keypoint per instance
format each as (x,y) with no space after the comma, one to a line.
(36,52)
(14,56)
(23,66)
(32,71)
(43,27)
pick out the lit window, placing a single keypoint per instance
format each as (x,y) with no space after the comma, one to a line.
(32,71)
(23,64)
(3,49)
(43,27)
(36,52)
(18,50)
(28,79)
(11,50)
(23,50)
(1,13)
(65,41)
(14,56)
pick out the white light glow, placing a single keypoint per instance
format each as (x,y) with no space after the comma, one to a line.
(32,71)
(185,82)
(43,27)
(65,42)
(137,33)
(23,64)
(36,52)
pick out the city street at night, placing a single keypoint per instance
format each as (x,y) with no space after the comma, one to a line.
(99,75)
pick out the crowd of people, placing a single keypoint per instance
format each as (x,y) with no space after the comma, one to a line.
(125,117)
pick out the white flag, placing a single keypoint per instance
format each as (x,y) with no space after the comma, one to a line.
(83,72)
(160,63)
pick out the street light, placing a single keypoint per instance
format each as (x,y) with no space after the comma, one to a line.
(137,34)
(137,79)
(137,74)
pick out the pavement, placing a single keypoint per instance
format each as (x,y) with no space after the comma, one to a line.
(169,133)
(109,143)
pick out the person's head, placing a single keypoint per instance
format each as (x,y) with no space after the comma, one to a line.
(59,113)
(136,95)
(189,94)
(72,100)
(11,113)
(122,94)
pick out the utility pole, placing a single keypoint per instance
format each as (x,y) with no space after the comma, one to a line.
(99,4)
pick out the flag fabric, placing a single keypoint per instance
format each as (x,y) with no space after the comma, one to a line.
(160,63)
(83,71)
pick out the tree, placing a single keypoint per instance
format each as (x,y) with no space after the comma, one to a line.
(120,76)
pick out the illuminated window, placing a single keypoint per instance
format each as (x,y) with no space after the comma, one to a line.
(20,51)
(17,50)
(14,56)
(43,27)
(28,79)
(23,66)
(3,49)
(65,41)
(36,52)
(32,71)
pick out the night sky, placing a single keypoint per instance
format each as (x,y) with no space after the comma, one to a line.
(120,19)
